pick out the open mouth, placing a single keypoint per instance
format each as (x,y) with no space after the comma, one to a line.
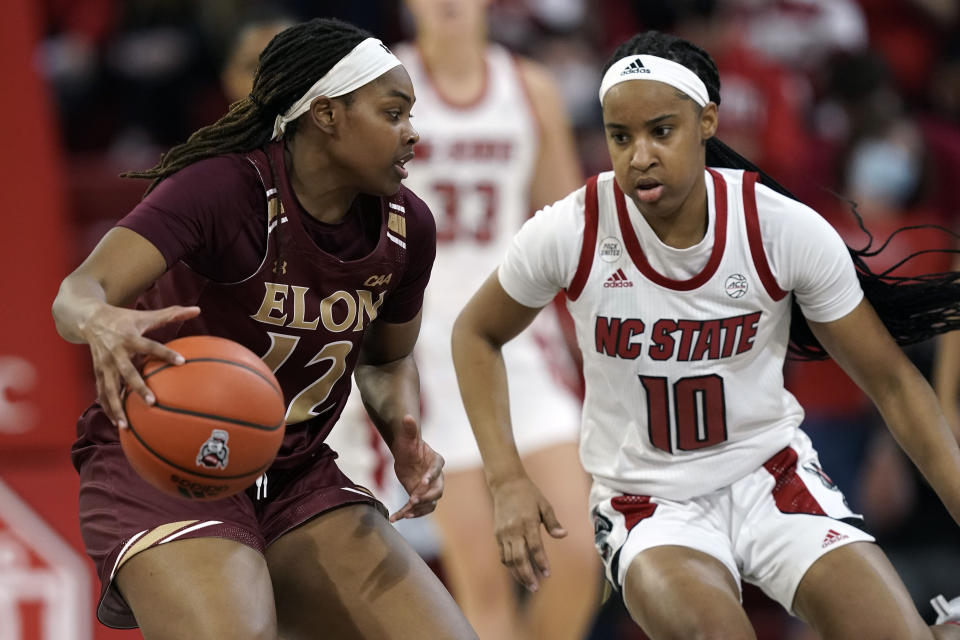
(399,164)
(648,190)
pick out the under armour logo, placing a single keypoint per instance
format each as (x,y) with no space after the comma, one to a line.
(280,266)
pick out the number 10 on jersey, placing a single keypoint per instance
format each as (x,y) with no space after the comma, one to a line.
(698,418)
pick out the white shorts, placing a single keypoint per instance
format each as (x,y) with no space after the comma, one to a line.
(769,527)
(544,410)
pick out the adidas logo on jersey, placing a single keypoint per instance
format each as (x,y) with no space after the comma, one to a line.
(618,279)
(634,67)
(832,537)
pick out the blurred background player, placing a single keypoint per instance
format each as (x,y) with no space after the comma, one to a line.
(252,36)
(495,146)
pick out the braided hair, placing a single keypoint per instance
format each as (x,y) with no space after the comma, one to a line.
(293,61)
(913,308)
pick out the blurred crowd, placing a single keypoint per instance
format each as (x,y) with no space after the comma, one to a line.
(841,101)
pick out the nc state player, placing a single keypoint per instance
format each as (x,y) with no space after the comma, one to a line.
(495,145)
(702,477)
(285,221)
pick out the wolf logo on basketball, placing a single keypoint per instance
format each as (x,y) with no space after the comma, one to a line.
(214,453)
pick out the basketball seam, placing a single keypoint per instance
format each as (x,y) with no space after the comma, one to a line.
(193,471)
(221,360)
(212,416)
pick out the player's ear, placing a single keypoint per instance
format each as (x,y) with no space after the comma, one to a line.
(323,113)
(709,121)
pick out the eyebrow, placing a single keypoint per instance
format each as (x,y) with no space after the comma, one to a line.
(648,123)
(396,93)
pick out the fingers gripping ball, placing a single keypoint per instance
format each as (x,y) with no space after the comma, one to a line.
(217,423)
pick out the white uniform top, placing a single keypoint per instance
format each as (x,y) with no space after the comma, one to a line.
(683,349)
(473,167)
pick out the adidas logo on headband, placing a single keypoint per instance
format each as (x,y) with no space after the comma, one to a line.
(634,67)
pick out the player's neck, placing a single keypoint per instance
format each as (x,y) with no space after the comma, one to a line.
(314,182)
(686,226)
(458,69)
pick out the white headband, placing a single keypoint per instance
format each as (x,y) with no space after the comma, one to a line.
(645,67)
(368,61)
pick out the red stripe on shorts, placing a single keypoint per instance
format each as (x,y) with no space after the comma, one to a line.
(789,491)
(633,508)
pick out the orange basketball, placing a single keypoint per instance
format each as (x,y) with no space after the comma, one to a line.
(217,423)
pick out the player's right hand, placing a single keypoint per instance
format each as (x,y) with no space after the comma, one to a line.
(518,511)
(115,337)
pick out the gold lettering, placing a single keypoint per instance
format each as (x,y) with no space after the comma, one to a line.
(281,347)
(326,311)
(368,308)
(300,309)
(378,281)
(272,301)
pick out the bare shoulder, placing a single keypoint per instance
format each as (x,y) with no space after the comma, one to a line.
(538,79)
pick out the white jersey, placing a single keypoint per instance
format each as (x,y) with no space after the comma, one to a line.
(474,165)
(683,349)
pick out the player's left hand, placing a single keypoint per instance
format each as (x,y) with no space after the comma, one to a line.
(419,469)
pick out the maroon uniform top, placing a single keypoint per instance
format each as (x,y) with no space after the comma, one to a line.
(297,292)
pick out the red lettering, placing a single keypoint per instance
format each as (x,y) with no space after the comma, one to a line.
(480,150)
(424,150)
(626,348)
(701,412)
(730,334)
(662,343)
(708,341)
(605,334)
(658,415)
(749,332)
(687,327)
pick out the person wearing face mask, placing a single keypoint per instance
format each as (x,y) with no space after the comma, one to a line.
(702,476)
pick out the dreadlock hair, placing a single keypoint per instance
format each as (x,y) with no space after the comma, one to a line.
(912,308)
(293,61)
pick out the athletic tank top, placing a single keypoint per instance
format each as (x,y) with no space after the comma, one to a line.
(473,167)
(708,350)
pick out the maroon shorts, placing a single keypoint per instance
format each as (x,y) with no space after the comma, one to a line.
(121,515)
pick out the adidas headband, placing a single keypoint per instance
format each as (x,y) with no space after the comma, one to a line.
(367,61)
(644,67)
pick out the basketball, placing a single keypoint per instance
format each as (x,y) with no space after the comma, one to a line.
(217,423)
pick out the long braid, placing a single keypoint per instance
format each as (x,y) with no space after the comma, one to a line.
(913,308)
(293,61)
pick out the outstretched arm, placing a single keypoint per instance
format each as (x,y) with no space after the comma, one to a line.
(863,347)
(389,385)
(946,378)
(89,309)
(489,320)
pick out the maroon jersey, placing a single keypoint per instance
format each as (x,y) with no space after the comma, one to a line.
(302,309)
